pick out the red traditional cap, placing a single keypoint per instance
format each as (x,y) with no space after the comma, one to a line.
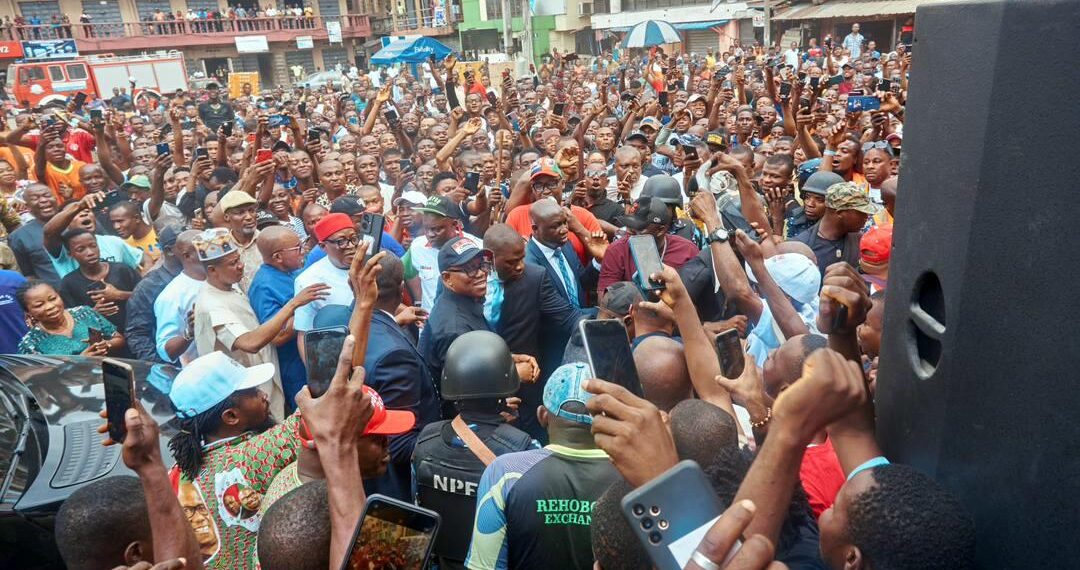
(332,224)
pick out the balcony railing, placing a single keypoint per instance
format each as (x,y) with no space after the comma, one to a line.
(426,22)
(191,31)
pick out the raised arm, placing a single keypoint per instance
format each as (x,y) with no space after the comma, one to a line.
(783,313)
(254,340)
(726,267)
(105,155)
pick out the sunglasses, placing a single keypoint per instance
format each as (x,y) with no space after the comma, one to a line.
(472,270)
(883,145)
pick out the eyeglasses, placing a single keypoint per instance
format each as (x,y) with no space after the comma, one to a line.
(344,242)
(473,269)
(596,174)
(552,187)
(298,247)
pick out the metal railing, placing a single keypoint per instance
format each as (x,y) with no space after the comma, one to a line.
(427,18)
(231,26)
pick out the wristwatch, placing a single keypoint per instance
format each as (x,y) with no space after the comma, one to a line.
(719,236)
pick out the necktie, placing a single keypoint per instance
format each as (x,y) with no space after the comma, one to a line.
(569,282)
(493,302)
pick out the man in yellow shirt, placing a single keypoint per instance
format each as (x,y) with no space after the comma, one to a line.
(127,220)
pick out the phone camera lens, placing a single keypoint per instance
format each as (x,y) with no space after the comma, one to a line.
(639,510)
(655,537)
(654,510)
(662,525)
(646,523)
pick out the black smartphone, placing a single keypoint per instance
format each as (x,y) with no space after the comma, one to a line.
(472,182)
(814,81)
(201,152)
(609,353)
(785,90)
(801,76)
(559,109)
(392,534)
(690,152)
(672,513)
(371,230)
(647,261)
(278,121)
(322,348)
(729,349)
(96,116)
(835,80)
(391,115)
(163,148)
(863,103)
(884,85)
(227,128)
(663,99)
(302,109)
(404,165)
(492,99)
(119,380)
(79,100)
(94,336)
(313,135)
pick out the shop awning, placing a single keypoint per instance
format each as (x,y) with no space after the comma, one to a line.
(700,25)
(414,49)
(854,9)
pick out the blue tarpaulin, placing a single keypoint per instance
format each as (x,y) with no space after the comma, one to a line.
(700,25)
(411,50)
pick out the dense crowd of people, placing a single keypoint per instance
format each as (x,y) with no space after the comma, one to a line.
(215,235)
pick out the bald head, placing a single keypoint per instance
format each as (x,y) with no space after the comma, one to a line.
(544,210)
(627,153)
(661,367)
(273,238)
(501,237)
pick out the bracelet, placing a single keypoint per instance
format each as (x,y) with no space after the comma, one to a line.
(829,152)
(764,421)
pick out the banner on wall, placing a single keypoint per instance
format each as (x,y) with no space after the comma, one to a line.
(251,44)
(304,42)
(49,49)
(333,31)
(10,50)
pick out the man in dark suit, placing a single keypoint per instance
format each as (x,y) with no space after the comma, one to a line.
(397,371)
(525,308)
(548,247)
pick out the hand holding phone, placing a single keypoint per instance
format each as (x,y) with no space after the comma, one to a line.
(472,182)
(119,381)
(647,261)
(730,351)
(322,348)
(371,230)
(607,347)
(394,530)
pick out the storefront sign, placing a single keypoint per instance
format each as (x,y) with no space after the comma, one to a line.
(251,44)
(333,31)
(50,49)
(304,42)
(10,50)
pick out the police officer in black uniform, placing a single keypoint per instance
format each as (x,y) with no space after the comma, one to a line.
(450,456)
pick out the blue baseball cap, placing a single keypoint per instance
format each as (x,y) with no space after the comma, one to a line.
(565,386)
(459,251)
(209,379)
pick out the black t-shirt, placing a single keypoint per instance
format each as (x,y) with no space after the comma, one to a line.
(607,210)
(75,289)
(214,115)
(829,251)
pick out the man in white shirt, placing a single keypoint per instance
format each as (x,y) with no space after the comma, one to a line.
(175,333)
(791,56)
(853,42)
(627,164)
(422,259)
(337,235)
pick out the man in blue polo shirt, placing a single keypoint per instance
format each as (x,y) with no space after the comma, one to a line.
(535,507)
(271,288)
(12,320)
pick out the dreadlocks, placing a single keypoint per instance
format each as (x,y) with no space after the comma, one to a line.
(186,446)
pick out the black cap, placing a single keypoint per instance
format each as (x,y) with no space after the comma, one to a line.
(167,236)
(212,85)
(459,251)
(281,145)
(646,211)
(620,296)
(264,218)
(348,205)
(437,205)
(638,135)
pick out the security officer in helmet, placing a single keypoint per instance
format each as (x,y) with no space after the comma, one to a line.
(667,190)
(478,376)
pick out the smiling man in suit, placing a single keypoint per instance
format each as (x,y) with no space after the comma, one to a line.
(524,307)
(549,248)
(397,371)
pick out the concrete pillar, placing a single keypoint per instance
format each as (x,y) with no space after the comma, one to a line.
(280,69)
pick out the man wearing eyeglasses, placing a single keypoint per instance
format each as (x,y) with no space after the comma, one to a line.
(422,259)
(463,272)
(338,237)
(270,290)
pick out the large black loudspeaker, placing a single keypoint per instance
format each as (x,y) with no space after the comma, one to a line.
(979,381)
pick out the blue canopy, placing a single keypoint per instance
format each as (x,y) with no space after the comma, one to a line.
(411,50)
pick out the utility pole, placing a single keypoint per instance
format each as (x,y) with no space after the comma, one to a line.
(527,39)
(508,27)
(768,23)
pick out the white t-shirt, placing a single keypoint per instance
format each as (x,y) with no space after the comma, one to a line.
(170,310)
(635,190)
(322,271)
(425,260)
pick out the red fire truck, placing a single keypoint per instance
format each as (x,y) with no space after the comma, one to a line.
(41,81)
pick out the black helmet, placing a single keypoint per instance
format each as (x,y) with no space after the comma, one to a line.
(479,365)
(664,188)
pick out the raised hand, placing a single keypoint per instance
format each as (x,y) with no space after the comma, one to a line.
(631,431)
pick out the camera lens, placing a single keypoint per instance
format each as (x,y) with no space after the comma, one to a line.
(654,510)
(646,523)
(639,510)
(655,537)
(662,525)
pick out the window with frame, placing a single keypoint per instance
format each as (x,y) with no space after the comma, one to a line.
(56,73)
(76,71)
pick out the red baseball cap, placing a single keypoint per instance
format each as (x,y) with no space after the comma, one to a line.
(876,244)
(331,224)
(384,421)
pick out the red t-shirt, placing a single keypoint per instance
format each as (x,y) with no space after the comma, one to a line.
(80,144)
(821,476)
(519,219)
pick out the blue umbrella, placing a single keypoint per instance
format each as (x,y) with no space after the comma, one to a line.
(651,33)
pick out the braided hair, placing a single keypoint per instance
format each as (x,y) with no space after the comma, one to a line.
(186,446)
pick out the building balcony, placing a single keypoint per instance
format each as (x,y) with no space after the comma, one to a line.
(120,36)
(424,23)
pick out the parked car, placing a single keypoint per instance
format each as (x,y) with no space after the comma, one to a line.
(318,80)
(49,445)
